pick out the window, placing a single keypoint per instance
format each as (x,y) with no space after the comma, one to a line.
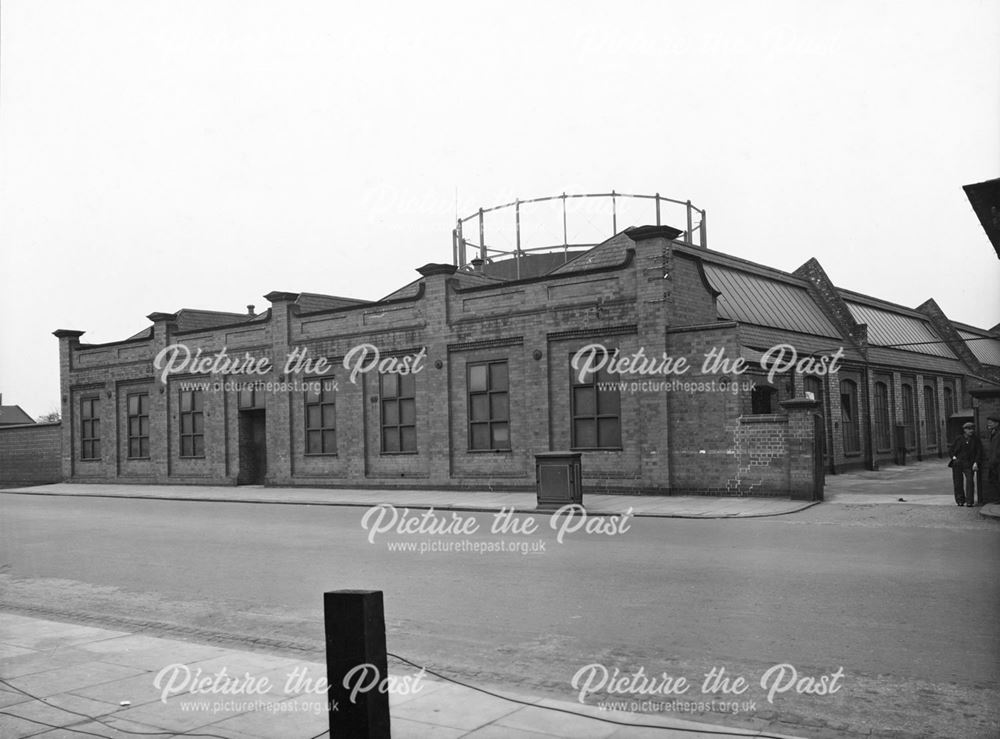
(489,406)
(909,427)
(762,400)
(248,398)
(399,413)
(930,413)
(90,428)
(321,426)
(812,384)
(849,416)
(192,424)
(883,439)
(949,403)
(596,412)
(138,426)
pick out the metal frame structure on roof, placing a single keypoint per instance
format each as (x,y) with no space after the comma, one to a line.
(695,219)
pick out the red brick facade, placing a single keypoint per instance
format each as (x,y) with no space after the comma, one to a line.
(640,291)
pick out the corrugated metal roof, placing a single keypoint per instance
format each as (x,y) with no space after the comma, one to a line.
(916,361)
(762,338)
(754,299)
(887,328)
(987,350)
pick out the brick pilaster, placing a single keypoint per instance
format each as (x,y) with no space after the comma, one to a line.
(69,341)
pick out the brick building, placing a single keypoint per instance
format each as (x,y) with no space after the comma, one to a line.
(29,451)
(474,375)
(13,415)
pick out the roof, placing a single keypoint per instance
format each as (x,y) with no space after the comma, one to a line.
(750,298)
(986,348)
(191,319)
(470,279)
(985,200)
(309,302)
(408,290)
(606,254)
(529,265)
(763,338)
(918,361)
(464,279)
(13,415)
(146,333)
(894,328)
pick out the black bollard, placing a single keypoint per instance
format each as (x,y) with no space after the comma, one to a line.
(355,641)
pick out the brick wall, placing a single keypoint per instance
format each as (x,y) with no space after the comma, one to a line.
(760,452)
(30,455)
(657,301)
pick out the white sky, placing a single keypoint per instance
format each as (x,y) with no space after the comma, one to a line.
(160,155)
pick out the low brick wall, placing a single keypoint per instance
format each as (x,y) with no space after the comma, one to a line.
(30,454)
(761,456)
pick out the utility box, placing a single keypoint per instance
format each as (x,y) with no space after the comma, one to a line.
(558,480)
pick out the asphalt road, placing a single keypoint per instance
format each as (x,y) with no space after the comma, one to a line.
(904,600)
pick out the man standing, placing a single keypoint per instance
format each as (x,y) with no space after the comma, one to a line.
(990,491)
(966,451)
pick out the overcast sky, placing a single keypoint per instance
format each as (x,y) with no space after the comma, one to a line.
(162,155)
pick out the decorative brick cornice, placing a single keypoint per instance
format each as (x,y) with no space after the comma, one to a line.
(583,333)
(157,317)
(65,333)
(642,233)
(486,344)
(429,270)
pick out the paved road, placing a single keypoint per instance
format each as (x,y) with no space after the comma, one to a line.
(904,599)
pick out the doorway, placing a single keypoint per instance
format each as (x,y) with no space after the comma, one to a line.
(253,448)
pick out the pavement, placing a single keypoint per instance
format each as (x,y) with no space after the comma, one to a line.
(926,483)
(694,506)
(920,483)
(67,680)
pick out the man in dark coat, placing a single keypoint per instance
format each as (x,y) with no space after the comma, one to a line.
(966,451)
(991,462)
